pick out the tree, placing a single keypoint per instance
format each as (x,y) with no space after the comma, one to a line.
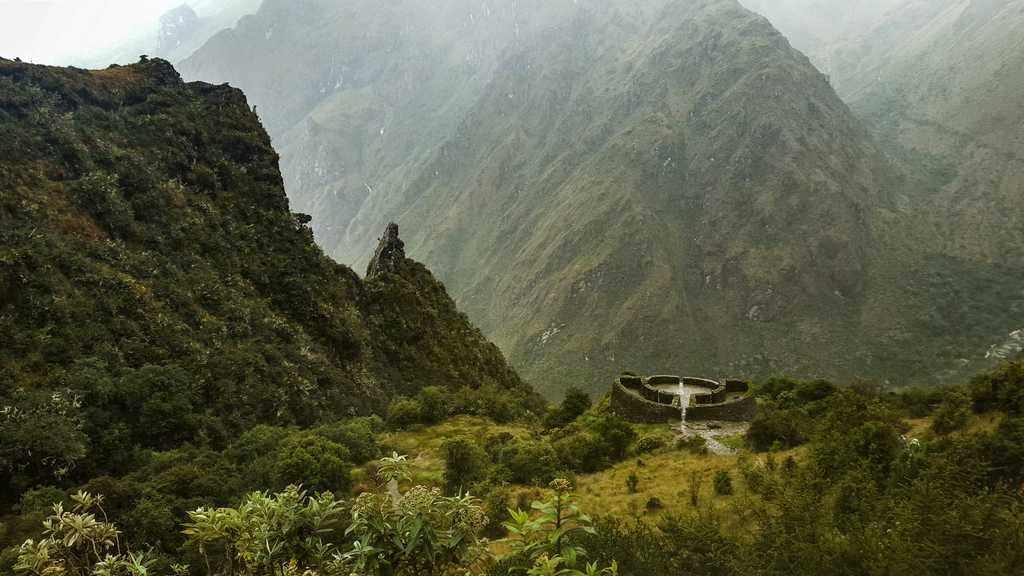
(574,405)
(465,464)
(315,462)
(952,414)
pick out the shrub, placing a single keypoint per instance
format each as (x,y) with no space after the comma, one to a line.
(722,483)
(574,405)
(314,462)
(814,391)
(404,413)
(532,462)
(1003,389)
(614,433)
(465,464)
(434,403)
(771,427)
(632,482)
(952,414)
(359,435)
(649,444)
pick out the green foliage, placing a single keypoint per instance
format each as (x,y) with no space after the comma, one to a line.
(434,403)
(465,464)
(158,300)
(404,413)
(632,482)
(722,483)
(776,428)
(543,544)
(314,461)
(266,534)
(41,438)
(77,543)
(420,532)
(1002,389)
(575,403)
(649,444)
(952,414)
(692,544)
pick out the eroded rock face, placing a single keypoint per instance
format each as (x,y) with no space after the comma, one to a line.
(390,253)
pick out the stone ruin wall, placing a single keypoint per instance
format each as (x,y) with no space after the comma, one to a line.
(634,399)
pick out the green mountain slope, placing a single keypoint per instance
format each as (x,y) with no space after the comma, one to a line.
(939,83)
(609,185)
(152,275)
(633,187)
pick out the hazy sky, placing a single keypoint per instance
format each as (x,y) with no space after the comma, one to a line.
(61,31)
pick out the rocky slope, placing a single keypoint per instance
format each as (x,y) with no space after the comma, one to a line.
(147,251)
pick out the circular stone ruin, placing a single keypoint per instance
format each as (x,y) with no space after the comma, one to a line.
(656,399)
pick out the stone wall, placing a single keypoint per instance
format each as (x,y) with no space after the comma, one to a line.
(641,387)
(635,401)
(631,406)
(742,410)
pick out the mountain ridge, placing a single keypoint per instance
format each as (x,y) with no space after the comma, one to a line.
(147,245)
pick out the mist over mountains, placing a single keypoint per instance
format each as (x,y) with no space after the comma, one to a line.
(605,185)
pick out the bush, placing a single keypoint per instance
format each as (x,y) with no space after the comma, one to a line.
(574,405)
(722,483)
(632,482)
(465,464)
(614,433)
(814,391)
(649,444)
(531,462)
(434,403)
(313,461)
(1003,389)
(773,427)
(953,414)
(359,435)
(404,413)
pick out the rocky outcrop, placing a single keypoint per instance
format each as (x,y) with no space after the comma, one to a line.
(390,254)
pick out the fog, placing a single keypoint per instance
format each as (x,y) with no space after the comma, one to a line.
(94,33)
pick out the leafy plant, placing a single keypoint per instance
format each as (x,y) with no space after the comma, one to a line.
(267,534)
(78,543)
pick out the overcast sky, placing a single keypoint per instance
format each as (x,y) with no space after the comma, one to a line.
(62,31)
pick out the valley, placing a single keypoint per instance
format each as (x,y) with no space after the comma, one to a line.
(397,288)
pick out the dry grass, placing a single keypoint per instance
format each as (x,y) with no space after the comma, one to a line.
(664,474)
(667,476)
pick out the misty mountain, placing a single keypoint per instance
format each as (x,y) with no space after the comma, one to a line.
(662,186)
(939,84)
(175,34)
